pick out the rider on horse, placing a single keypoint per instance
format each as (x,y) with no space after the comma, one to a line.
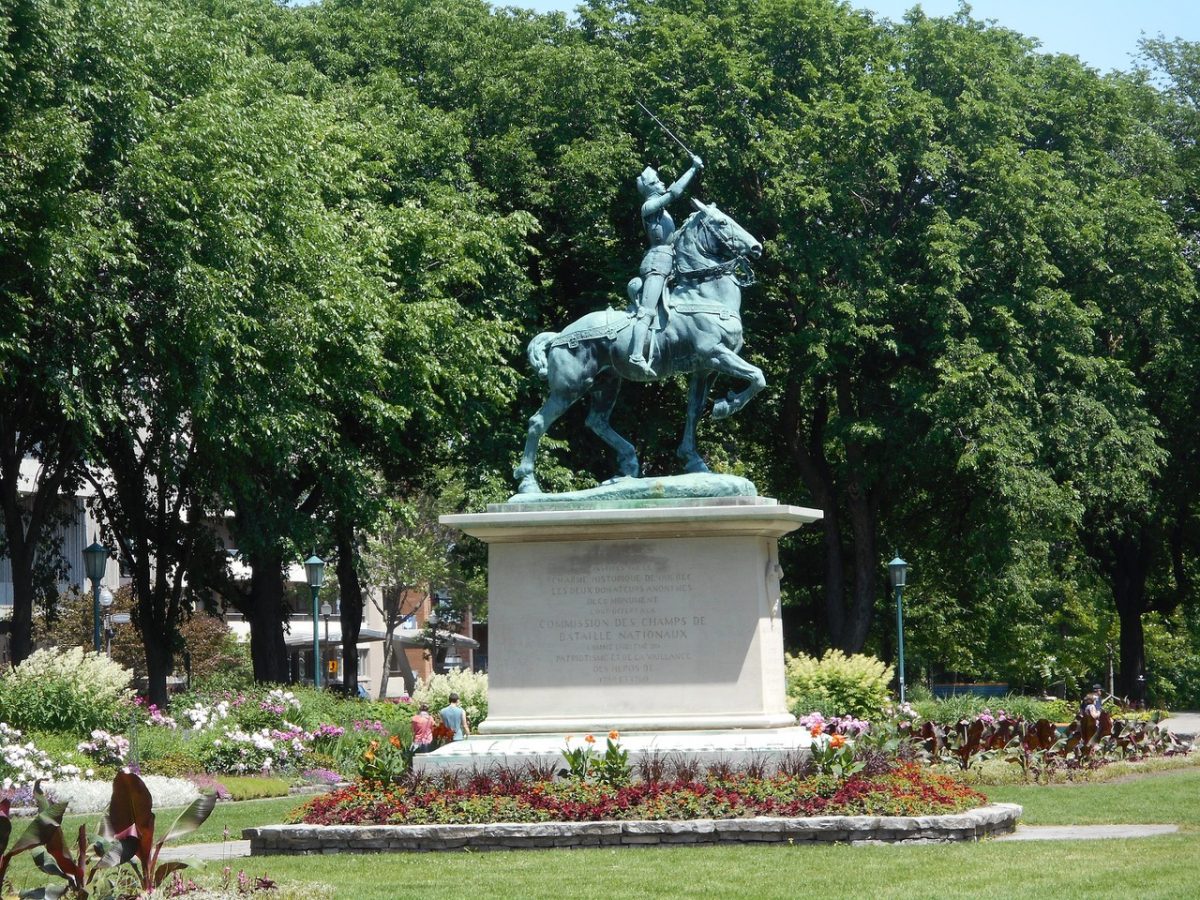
(657,263)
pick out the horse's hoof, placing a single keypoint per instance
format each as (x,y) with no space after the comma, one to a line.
(529,485)
(721,409)
(696,466)
(617,478)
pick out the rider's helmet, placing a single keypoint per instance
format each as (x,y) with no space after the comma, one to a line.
(648,183)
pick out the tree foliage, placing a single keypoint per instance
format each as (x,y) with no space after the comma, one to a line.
(269,268)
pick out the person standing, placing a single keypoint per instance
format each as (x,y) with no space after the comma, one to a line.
(455,718)
(422,726)
(1098,690)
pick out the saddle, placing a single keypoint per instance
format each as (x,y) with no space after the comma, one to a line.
(614,324)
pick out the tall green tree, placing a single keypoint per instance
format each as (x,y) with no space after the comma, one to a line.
(71,99)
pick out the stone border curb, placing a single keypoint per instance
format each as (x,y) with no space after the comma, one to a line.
(272,840)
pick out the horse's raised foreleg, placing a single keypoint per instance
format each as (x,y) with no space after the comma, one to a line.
(604,398)
(539,423)
(726,362)
(698,386)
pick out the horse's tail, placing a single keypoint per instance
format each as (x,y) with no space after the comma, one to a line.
(537,352)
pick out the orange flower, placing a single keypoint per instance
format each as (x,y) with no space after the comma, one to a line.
(837,741)
(394,741)
(568,738)
(591,738)
(614,735)
(817,729)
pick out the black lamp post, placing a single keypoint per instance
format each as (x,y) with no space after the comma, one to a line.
(326,612)
(314,571)
(897,573)
(95,559)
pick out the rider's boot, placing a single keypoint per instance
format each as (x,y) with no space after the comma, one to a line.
(640,327)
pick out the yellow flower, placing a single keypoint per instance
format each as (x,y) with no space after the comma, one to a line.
(591,738)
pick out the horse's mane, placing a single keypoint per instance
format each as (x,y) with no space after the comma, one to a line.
(685,227)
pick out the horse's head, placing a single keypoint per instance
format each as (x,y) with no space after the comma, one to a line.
(721,237)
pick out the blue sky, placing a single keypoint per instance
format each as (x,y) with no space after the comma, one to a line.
(1103,33)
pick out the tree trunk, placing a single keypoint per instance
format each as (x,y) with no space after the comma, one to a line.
(387,667)
(21,636)
(159,664)
(835,572)
(1128,572)
(266,613)
(351,608)
(804,447)
(865,589)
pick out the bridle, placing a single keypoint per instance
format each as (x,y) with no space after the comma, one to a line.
(737,268)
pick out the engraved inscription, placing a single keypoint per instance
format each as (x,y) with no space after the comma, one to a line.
(621,622)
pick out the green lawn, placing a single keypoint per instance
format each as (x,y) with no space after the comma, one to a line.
(1148,867)
(1161,798)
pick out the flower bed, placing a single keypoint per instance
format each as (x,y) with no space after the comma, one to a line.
(905,791)
(93,796)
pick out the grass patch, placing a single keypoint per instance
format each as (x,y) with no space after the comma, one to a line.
(1169,797)
(253,787)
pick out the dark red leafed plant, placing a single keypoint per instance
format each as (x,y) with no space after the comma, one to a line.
(130,821)
(906,790)
(126,835)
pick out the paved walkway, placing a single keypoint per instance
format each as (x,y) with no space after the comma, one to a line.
(238,849)
(1084,832)
(1183,724)
(207,852)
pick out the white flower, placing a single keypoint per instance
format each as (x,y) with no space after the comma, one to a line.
(94,796)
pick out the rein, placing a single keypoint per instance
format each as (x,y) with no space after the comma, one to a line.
(737,268)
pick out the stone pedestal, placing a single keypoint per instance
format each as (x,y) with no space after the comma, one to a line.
(651,617)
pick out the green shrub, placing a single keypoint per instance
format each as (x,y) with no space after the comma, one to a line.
(179,764)
(153,741)
(66,691)
(837,684)
(471,688)
(397,716)
(803,704)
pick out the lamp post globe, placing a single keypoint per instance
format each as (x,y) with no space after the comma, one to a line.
(95,560)
(314,572)
(898,575)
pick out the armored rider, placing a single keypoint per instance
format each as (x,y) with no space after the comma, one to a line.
(657,263)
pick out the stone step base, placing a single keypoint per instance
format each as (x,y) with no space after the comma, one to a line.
(999,818)
(770,746)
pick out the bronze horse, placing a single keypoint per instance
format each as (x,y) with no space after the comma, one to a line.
(701,335)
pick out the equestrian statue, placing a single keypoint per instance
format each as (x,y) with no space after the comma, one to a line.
(687,300)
